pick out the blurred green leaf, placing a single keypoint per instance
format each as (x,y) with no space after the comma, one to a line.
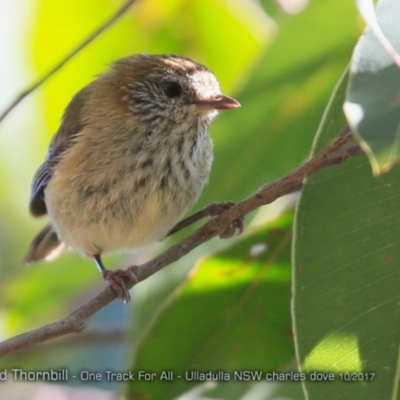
(346,278)
(282,100)
(231,314)
(238,26)
(262,390)
(372,103)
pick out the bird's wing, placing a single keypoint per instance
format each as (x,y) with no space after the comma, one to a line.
(71,125)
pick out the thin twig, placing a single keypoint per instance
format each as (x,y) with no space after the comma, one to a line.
(334,153)
(75,51)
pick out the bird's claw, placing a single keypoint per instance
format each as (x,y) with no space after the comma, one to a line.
(230,230)
(116,280)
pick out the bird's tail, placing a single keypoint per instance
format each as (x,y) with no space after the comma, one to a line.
(45,246)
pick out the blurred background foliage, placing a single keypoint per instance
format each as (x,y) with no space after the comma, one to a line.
(281,60)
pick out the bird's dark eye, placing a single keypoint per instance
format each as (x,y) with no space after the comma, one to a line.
(172,89)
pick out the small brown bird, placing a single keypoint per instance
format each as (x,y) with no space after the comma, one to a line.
(132,155)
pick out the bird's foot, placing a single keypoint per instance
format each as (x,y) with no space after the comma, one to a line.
(116,280)
(237,224)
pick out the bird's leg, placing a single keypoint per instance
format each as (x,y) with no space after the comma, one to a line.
(211,210)
(115,279)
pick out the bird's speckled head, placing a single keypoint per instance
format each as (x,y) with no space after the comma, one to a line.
(169,87)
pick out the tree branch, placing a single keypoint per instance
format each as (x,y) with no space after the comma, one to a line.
(72,54)
(334,153)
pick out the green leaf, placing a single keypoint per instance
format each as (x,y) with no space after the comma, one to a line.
(231,314)
(372,103)
(346,275)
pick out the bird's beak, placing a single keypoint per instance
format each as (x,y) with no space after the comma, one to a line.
(217,102)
